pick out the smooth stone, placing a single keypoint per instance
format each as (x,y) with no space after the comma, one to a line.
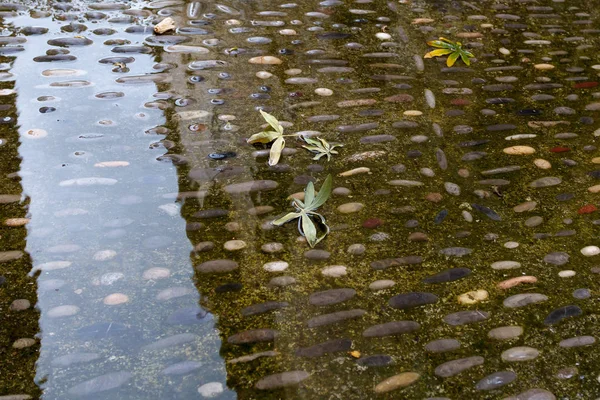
(546,182)
(19,305)
(567,373)
(182,368)
(332,296)
(334,318)
(507,284)
(534,221)
(496,380)
(234,245)
(519,150)
(533,394)
(250,187)
(556,258)
(356,249)
(456,251)
(582,294)
(391,329)
(102,383)
(390,262)
(74,358)
(252,357)
(317,255)
(156,273)
(561,313)
(115,299)
(350,208)
(455,367)
(217,266)
(276,266)
(253,336)
(334,271)
(331,346)
(381,284)
(524,299)
(442,345)
(281,380)
(590,251)
(23,343)
(265,60)
(412,299)
(262,308)
(376,360)
(397,381)
(505,332)
(282,281)
(523,207)
(211,389)
(521,353)
(62,311)
(577,341)
(473,297)
(466,317)
(448,275)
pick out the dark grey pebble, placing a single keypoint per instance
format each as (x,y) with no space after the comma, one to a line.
(331,346)
(332,296)
(413,299)
(456,251)
(488,212)
(561,313)
(496,380)
(455,367)
(376,360)
(400,261)
(317,255)
(263,308)
(281,380)
(466,317)
(391,328)
(253,336)
(442,345)
(557,258)
(217,266)
(449,275)
(334,318)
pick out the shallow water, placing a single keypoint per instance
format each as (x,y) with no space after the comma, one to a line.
(458,265)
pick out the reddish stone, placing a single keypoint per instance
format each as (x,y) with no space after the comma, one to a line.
(590,208)
(559,149)
(585,85)
(434,197)
(372,223)
(460,102)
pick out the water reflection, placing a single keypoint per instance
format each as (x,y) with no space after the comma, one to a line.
(120,315)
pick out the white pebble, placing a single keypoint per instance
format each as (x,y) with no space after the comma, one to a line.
(511,245)
(589,251)
(276,266)
(383,36)
(211,389)
(323,91)
(263,74)
(567,273)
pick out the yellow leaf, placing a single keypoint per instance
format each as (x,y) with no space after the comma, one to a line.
(355,353)
(452,59)
(437,53)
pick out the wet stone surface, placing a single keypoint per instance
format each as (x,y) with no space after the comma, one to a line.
(462,257)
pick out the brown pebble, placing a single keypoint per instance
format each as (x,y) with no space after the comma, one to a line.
(507,284)
(418,237)
(434,197)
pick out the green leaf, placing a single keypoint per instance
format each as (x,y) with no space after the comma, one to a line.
(263,137)
(323,194)
(314,149)
(309,194)
(309,230)
(319,156)
(452,59)
(271,120)
(465,58)
(310,141)
(440,44)
(276,150)
(286,218)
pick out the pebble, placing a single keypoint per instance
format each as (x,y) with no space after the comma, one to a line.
(211,389)
(234,245)
(397,381)
(382,284)
(115,299)
(455,367)
(522,353)
(473,297)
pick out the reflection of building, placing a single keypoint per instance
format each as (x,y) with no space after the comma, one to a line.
(19,346)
